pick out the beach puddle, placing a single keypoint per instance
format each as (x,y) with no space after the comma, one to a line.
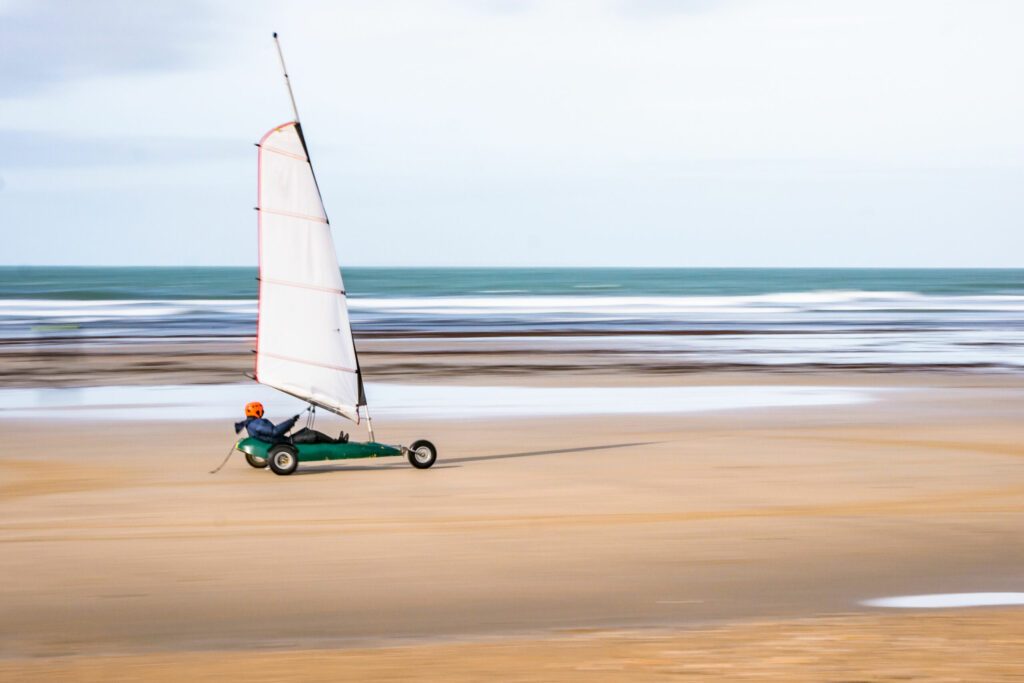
(947,600)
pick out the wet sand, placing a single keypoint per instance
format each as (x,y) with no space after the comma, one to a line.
(710,545)
(105,361)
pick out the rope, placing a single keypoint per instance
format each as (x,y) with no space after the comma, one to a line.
(221,466)
(310,420)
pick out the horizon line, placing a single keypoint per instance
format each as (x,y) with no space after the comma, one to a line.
(521,267)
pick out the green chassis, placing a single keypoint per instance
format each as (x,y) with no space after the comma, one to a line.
(311,452)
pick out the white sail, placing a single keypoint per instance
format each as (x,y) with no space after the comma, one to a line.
(304,341)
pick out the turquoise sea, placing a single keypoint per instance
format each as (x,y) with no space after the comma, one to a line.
(964,318)
(142,283)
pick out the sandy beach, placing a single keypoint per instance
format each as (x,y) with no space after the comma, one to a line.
(721,545)
(675,340)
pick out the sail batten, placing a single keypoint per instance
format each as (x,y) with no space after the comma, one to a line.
(267,148)
(289,214)
(304,344)
(303,285)
(303,361)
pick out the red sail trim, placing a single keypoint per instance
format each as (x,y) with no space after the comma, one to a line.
(259,241)
(309,362)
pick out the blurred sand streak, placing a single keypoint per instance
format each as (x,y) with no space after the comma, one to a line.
(704,546)
(977,646)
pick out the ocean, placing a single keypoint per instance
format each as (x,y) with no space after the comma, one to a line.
(879,318)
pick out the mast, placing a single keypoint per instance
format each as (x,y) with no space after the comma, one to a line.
(287,81)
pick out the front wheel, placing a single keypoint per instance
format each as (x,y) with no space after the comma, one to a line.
(283,459)
(422,454)
(256,461)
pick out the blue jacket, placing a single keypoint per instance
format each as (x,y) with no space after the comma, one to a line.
(264,430)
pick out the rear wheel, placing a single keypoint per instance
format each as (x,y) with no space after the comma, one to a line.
(256,461)
(422,454)
(283,459)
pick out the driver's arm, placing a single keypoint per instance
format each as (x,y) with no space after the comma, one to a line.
(282,429)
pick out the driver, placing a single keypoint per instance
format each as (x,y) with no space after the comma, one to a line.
(262,429)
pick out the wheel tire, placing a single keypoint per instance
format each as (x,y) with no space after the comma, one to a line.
(283,459)
(256,461)
(422,454)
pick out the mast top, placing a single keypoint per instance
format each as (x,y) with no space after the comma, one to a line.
(287,82)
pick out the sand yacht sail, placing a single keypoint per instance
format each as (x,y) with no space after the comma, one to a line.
(304,344)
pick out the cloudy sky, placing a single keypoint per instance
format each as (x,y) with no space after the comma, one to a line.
(505,132)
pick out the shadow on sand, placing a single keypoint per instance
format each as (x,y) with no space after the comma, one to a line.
(320,469)
(530,454)
(457,462)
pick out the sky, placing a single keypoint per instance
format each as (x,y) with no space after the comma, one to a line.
(521,133)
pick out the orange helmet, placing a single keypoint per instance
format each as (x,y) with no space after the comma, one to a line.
(254,409)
